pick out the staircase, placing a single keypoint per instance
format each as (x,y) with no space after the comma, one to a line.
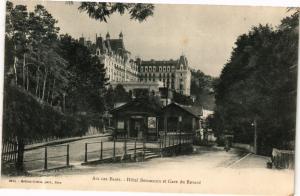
(150,154)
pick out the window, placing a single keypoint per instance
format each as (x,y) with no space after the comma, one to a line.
(150,68)
(160,68)
(146,68)
(154,69)
(168,68)
(164,69)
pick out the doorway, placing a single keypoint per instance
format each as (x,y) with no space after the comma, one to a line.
(136,128)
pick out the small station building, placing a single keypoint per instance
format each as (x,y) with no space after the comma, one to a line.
(144,118)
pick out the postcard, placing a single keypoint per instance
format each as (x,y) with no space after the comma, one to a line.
(149,97)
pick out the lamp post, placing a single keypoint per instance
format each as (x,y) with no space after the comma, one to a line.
(180,127)
(254,124)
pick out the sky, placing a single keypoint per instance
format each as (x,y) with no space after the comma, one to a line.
(205,34)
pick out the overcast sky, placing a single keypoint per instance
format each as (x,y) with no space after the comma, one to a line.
(205,34)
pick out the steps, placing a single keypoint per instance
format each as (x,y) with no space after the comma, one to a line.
(150,155)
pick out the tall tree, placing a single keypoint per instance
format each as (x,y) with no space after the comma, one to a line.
(17,32)
(256,84)
(87,77)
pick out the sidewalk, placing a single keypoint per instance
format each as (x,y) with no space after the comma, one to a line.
(251,161)
(62,141)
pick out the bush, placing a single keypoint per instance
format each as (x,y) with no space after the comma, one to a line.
(25,117)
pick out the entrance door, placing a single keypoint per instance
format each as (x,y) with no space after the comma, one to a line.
(139,129)
(135,128)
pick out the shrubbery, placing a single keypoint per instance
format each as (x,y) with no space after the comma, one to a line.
(26,118)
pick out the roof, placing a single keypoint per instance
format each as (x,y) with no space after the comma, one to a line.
(141,105)
(196,111)
(156,63)
(181,61)
(116,44)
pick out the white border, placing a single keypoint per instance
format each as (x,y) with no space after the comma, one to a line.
(274,3)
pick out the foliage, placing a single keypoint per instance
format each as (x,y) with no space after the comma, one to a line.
(181,99)
(103,10)
(202,89)
(259,83)
(116,95)
(20,119)
(87,77)
(54,71)
(31,59)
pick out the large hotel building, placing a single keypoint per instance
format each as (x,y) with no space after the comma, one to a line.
(136,73)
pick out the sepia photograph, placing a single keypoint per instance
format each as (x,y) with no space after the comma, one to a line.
(149,97)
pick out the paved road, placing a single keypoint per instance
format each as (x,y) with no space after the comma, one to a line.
(212,169)
(56,154)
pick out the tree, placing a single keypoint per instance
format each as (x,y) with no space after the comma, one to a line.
(181,99)
(43,40)
(202,89)
(16,24)
(87,79)
(255,85)
(103,10)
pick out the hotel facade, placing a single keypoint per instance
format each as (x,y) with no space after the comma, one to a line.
(121,68)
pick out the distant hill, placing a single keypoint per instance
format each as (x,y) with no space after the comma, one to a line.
(202,89)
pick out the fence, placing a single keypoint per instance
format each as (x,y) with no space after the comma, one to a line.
(175,138)
(9,151)
(50,157)
(112,150)
(283,159)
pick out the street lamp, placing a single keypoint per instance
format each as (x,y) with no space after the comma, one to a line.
(180,127)
(254,124)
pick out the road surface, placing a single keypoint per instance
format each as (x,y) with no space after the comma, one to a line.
(207,170)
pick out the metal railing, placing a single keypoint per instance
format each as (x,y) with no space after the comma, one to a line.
(107,150)
(49,157)
(46,157)
(170,139)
